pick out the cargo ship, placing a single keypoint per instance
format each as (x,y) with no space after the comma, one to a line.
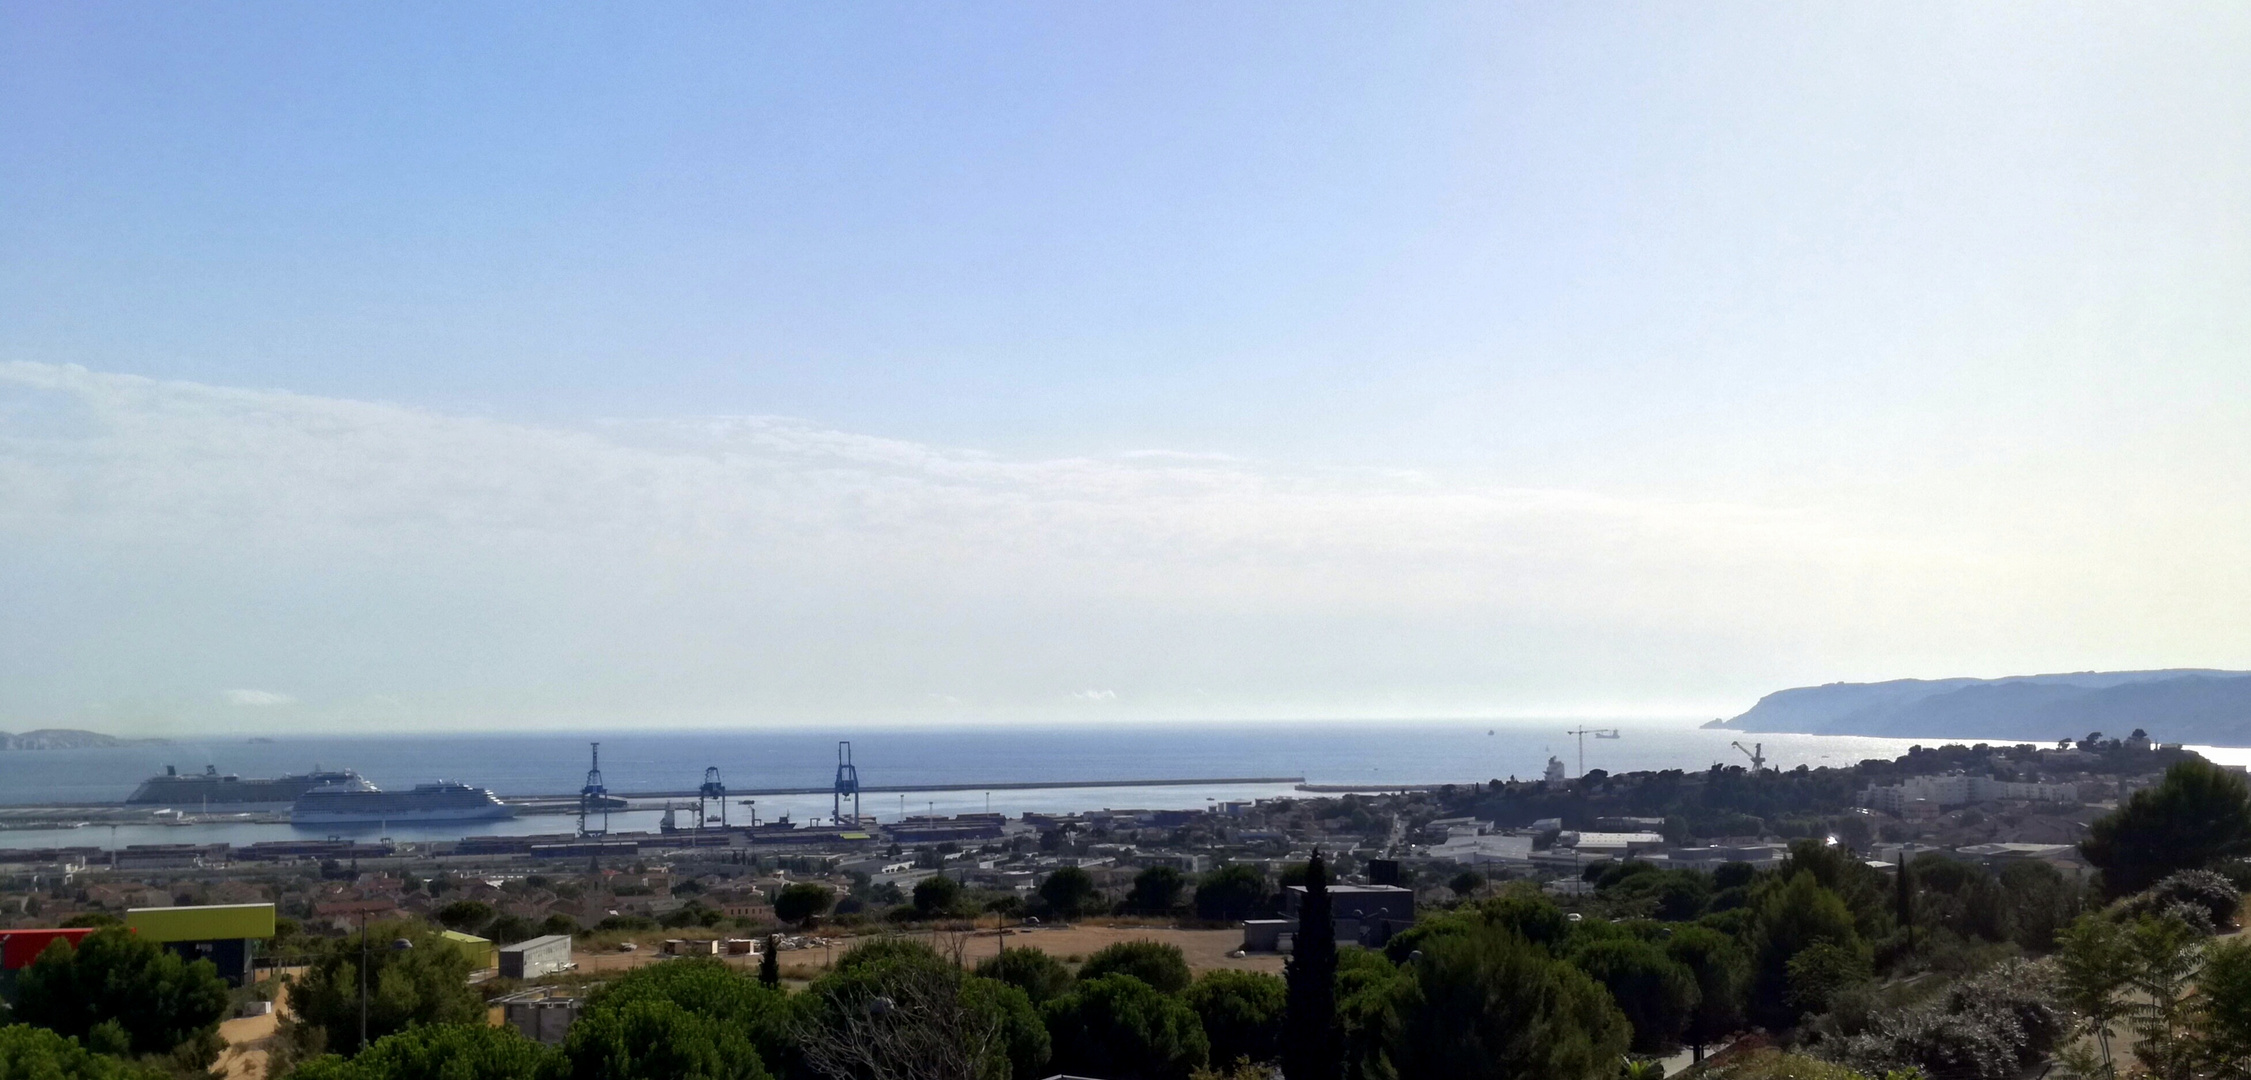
(211,789)
(442,801)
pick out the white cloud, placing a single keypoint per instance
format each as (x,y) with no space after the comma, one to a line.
(259,698)
(425,566)
(1096,695)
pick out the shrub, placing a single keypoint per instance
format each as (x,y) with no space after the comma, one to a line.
(1990,1026)
(2215,898)
(1041,977)
(1162,966)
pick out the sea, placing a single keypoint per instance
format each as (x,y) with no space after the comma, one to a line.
(1372,753)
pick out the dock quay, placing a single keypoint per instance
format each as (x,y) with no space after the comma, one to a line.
(908,789)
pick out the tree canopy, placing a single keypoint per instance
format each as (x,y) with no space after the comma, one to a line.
(441,1052)
(1231,893)
(1486,1004)
(426,983)
(1041,977)
(1121,1028)
(29,1052)
(1069,891)
(114,977)
(2198,814)
(1160,965)
(1241,1012)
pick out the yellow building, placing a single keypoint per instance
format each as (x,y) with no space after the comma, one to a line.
(482,952)
(220,933)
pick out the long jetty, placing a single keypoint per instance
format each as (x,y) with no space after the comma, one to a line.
(907,789)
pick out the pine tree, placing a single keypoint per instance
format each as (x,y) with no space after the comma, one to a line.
(770,965)
(1313,1048)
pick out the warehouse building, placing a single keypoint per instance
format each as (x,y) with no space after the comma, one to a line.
(537,957)
(225,934)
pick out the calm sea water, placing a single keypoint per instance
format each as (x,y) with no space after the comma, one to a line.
(1393,752)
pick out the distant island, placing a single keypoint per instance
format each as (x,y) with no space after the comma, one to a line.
(2181,705)
(65,739)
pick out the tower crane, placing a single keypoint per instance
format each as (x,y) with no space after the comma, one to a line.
(1582,733)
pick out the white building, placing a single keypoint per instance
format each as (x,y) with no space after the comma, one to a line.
(1958,790)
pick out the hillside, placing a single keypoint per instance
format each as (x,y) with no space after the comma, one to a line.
(2181,705)
(63,739)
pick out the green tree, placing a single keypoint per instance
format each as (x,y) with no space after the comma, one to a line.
(658,1039)
(1069,891)
(1487,1005)
(425,983)
(1156,890)
(2165,955)
(29,1052)
(912,1015)
(1242,1014)
(1312,1046)
(2223,1010)
(1121,1028)
(770,963)
(510,929)
(1657,994)
(2094,966)
(1466,882)
(1041,977)
(1023,1030)
(936,895)
(1722,971)
(2198,814)
(1231,894)
(1822,971)
(465,915)
(559,923)
(693,1017)
(158,1000)
(1372,995)
(1160,965)
(441,1052)
(1795,917)
(802,900)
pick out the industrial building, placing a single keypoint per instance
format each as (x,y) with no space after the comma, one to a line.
(1363,914)
(543,1014)
(1939,792)
(536,957)
(225,934)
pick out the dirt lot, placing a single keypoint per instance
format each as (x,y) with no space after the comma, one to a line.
(1206,949)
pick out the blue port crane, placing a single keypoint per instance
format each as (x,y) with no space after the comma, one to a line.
(847,783)
(711,789)
(594,798)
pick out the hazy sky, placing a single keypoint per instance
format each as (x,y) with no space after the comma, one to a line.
(373,366)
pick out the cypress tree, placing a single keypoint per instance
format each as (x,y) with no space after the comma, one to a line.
(770,965)
(1313,1048)
(1903,900)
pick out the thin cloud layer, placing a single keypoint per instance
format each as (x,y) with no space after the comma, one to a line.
(423,568)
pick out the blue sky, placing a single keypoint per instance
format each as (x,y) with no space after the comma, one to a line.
(1469,360)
